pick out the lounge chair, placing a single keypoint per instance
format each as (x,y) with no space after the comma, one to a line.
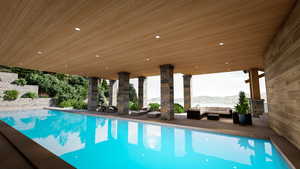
(153,114)
(194,113)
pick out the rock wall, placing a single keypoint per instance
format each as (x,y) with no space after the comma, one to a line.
(8,77)
(21,89)
(5,84)
(25,103)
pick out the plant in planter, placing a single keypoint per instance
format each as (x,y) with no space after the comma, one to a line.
(242,108)
(10,95)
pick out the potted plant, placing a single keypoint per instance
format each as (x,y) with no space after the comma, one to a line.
(242,108)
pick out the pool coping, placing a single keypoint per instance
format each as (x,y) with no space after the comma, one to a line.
(291,161)
(35,154)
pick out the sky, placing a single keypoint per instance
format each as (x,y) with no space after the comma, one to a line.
(216,84)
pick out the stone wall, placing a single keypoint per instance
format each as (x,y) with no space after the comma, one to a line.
(21,89)
(93,94)
(24,103)
(5,84)
(123,93)
(282,70)
(167,92)
(8,77)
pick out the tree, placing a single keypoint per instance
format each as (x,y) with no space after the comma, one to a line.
(132,94)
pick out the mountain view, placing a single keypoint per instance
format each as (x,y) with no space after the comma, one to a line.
(209,101)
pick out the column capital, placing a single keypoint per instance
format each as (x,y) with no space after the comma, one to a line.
(142,77)
(166,66)
(123,73)
(187,76)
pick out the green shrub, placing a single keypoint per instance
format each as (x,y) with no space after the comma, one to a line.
(80,105)
(10,95)
(154,106)
(243,106)
(30,95)
(133,106)
(178,108)
(20,82)
(67,103)
(76,104)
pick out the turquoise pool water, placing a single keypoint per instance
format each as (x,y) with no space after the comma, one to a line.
(88,142)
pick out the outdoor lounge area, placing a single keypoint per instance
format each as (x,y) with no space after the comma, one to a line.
(67,98)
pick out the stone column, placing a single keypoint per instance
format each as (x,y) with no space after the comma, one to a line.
(187,91)
(111,91)
(256,103)
(141,92)
(123,93)
(93,94)
(167,92)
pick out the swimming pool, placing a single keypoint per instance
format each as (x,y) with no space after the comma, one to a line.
(88,142)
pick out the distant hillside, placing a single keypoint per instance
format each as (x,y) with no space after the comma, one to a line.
(208,100)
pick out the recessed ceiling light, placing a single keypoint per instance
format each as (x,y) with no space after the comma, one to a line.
(157,36)
(77,29)
(226,63)
(221,43)
(39,52)
(147,59)
(97,56)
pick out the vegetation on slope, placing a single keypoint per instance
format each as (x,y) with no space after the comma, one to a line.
(68,90)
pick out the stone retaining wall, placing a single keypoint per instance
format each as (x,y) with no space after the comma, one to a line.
(21,89)
(8,77)
(23,103)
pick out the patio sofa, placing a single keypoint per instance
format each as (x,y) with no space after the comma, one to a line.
(222,111)
(200,112)
(140,112)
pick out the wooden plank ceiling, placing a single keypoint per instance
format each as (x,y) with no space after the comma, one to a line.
(120,35)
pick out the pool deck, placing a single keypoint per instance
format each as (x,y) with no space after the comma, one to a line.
(18,151)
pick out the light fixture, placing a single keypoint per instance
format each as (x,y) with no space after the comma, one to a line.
(97,56)
(77,29)
(226,63)
(147,59)
(157,36)
(221,43)
(39,52)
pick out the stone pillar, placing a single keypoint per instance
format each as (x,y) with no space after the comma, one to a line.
(256,103)
(123,93)
(167,92)
(111,91)
(187,91)
(141,92)
(93,94)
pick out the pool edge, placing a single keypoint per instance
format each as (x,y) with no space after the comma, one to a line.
(35,154)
